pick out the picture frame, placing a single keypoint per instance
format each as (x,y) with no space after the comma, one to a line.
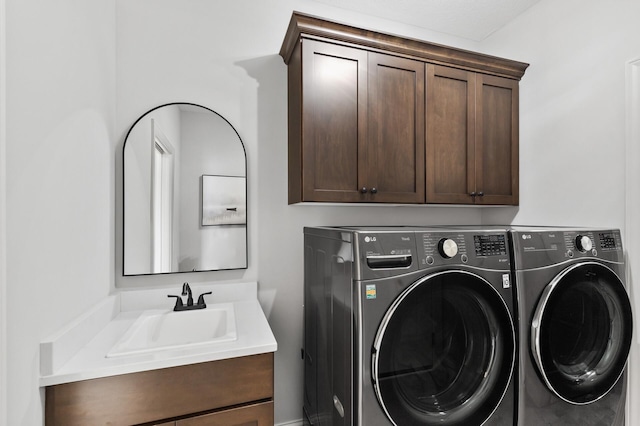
(223,200)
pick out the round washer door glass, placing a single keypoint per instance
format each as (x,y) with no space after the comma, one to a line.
(581,332)
(444,352)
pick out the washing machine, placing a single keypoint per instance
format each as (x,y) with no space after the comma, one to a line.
(408,326)
(575,326)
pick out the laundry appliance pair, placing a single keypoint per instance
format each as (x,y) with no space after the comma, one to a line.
(464,326)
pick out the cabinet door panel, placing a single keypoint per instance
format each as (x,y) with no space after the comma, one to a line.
(396,129)
(497,140)
(450,135)
(334,117)
(251,415)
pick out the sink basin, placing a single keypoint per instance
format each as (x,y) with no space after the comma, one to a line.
(159,330)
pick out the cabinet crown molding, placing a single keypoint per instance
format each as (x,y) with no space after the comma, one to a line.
(307,26)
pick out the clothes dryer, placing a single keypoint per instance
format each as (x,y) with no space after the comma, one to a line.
(408,326)
(575,326)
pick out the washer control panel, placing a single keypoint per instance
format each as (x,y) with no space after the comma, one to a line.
(438,247)
(486,249)
(490,245)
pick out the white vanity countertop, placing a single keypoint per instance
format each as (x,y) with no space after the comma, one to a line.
(254,336)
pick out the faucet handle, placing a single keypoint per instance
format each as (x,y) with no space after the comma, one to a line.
(201,299)
(179,303)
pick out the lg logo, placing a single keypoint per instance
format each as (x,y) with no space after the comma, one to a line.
(526,237)
(369,239)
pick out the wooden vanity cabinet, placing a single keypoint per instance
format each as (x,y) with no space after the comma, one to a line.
(234,391)
(357,132)
(472,137)
(375,117)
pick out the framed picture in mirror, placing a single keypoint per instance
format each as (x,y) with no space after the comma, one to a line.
(223,200)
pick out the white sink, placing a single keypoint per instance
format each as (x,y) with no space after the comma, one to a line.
(159,330)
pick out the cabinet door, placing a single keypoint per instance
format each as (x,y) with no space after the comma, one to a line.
(497,140)
(334,122)
(450,135)
(395,150)
(260,414)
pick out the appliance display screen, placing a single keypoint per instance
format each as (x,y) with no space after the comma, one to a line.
(607,241)
(490,245)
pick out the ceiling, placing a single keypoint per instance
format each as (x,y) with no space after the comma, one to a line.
(471,19)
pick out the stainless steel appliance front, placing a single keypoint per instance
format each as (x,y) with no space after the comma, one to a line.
(575,326)
(408,326)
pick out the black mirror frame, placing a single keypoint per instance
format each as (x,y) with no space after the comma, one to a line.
(123,192)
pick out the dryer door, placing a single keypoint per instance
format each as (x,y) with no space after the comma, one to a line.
(444,352)
(581,332)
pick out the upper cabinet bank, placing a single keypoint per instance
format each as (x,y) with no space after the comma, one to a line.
(376,118)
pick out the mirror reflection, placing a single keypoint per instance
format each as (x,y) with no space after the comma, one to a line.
(185,188)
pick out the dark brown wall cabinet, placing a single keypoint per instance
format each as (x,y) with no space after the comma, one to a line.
(472,137)
(235,391)
(379,118)
(362,125)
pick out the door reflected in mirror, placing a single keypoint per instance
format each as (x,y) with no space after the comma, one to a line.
(185,188)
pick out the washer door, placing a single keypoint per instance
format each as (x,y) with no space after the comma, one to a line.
(581,332)
(444,352)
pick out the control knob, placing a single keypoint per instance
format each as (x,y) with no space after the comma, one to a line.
(447,248)
(584,243)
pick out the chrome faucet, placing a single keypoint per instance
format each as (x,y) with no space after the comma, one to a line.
(186,291)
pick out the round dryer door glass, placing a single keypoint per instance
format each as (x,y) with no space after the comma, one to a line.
(581,332)
(444,352)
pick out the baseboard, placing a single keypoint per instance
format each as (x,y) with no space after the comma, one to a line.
(291,423)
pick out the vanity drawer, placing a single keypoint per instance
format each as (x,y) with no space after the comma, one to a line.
(260,414)
(157,395)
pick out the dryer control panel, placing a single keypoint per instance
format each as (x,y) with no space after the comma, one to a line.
(610,240)
(592,243)
(550,246)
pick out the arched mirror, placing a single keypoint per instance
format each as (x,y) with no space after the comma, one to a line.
(185,191)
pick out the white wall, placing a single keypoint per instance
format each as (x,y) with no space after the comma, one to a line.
(60,86)
(572,116)
(572,120)
(3,214)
